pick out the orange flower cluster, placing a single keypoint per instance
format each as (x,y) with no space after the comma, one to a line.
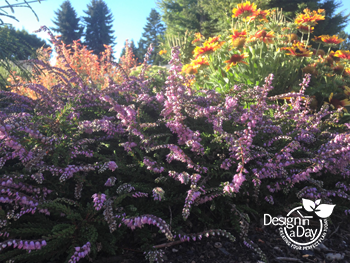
(310,18)
(198,38)
(298,50)
(345,54)
(331,39)
(262,35)
(162,52)
(209,46)
(98,70)
(235,59)
(196,64)
(248,12)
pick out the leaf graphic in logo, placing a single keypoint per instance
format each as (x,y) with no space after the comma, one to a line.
(318,201)
(308,205)
(324,210)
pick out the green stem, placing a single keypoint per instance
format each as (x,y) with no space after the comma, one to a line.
(319,44)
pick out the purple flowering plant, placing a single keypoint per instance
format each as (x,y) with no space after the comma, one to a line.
(83,169)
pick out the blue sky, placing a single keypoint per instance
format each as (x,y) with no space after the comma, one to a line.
(130,16)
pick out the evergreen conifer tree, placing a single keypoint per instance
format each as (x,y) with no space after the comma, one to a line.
(153,31)
(67,23)
(98,24)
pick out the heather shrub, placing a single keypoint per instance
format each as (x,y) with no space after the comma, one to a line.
(87,172)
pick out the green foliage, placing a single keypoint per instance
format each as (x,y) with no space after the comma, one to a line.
(67,23)
(153,31)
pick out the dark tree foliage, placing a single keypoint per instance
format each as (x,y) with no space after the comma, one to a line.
(67,23)
(7,60)
(186,15)
(141,50)
(153,31)
(29,43)
(98,24)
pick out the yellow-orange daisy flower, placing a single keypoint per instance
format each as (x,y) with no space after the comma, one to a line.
(198,38)
(189,69)
(264,36)
(198,51)
(245,10)
(331,39)
(342,54)
(261,15)
(200,62)
(336,104)
(234,60)
(162,52)
(308,18)
(305,29)
(237,34)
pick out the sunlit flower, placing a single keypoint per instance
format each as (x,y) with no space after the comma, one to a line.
(309,18)
(346,90)
(333,40)
(317,39)
(198,38)
(189,69)
(237,34)
(238,42)
(332,55)
(200,62)
(305,29)
(198,51)
(298,50)
(162,52)
(235,59)
(292,37)
(245,10)
(264,36)
(345,54)
(336,104)
(261,15)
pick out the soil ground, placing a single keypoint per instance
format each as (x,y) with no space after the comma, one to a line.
(221,250)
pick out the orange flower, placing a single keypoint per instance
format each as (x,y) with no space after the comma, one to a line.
(305,29)
(204,50)
(336,104)
(332,55)
(200,62)
(234,60)
(264,36)
(261,15)
(189,69)
(162,52)
(332,40)
(345,54)
(298,50)
(198,36)
(237,34)
(317,39)
(238,42)
(291,37)
(346,90)
(245,9)
(309,18)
